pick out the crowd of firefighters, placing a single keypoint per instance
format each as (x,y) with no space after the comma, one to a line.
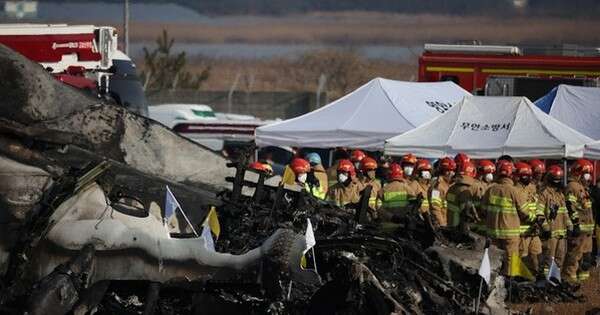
(523,207)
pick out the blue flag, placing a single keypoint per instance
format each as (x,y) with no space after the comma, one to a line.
(209,243)
(171,204)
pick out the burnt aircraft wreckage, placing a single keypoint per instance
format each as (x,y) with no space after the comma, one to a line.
(82,190)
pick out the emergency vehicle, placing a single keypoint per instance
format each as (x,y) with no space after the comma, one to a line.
(507,70)
(83,56)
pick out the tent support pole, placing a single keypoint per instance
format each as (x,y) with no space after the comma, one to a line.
(565,172)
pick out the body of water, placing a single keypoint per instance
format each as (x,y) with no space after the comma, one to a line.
(266,51)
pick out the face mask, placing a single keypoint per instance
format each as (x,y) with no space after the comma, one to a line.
(450,174)
(342,178)
(357,166)
(525,180)
(426,175)
(555,183)
(302,178)
(587,177)
(408,170)
(371,174)
(488,177)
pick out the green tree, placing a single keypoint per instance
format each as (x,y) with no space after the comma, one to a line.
(163,71)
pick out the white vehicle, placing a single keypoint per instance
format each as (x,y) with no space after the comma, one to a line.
(201,124)
(172,114)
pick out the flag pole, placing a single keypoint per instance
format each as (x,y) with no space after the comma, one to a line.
(478,296)
(188,222)
(314,258)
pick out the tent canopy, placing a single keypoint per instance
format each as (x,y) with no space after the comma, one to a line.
(366,117)
(592,151)
(575,106)
(488,127)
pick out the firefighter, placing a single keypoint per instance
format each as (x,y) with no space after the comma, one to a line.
(356,156)
(463,198)
(408,163)
(505,209)
(553,203)
(579,206)
(395,194)
(539,169)
(368,167)
(261,167)
(317,178)
(421,183)
(338,154)
(345,191)
(531,245)
(439,188)
(461,159)
(486,173)
(301,168)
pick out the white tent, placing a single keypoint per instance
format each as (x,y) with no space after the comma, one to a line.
(366,117)
(488,127)
(592,151)
(576,106)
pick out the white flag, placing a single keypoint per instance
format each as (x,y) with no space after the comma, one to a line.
(209,243)
(554,271)
(309,236)
(485,270)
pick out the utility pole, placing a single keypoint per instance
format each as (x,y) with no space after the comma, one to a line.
(126,27)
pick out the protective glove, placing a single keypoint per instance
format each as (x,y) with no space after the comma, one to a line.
(540,219)
(576,230)
(545,234)
(312,180)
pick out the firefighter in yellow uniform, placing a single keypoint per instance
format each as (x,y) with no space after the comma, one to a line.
(552,202)
(505,209)
(464,197)
(396,194)
(317,177)
(421,182)
(485,173)
(408,163)
(439,188)
(368,167)
(345,191)
(539,170)
(531,245)
(579,206)
(338,154)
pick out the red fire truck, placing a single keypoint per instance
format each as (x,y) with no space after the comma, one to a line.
(506,70)
(83,56)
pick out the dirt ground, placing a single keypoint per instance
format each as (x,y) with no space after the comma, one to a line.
(590,289)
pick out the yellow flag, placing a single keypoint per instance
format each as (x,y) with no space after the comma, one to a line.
(303,262)
(213,222)
(518,268)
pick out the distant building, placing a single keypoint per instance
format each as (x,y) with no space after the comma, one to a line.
(21,9)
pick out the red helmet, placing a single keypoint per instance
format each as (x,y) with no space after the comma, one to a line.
(357,156)
(555,172)
(523,169)
(446,164)
(487,167)
(537,166)
(582,166)
(346,166)
(505,168)
(461,158)
(261,167)
(300,166)
(409,159)
(467,169)
(395,172)
(423,165)
(368,164)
